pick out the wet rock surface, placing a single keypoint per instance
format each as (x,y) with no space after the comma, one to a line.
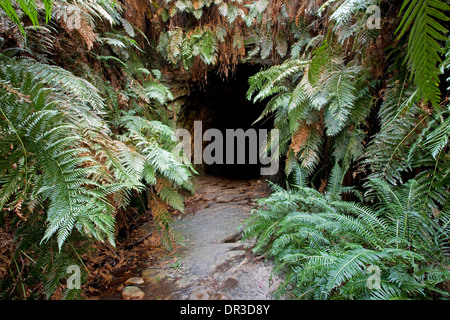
(216,263)
(213,262)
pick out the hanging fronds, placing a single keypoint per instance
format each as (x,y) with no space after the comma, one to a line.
(424,21)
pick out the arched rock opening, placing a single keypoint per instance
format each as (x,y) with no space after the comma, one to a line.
(222,105)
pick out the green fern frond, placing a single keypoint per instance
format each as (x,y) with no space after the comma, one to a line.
(423,20)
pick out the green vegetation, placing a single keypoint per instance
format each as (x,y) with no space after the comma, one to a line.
(325,245)
(72,157)
(87,134)
(382,133)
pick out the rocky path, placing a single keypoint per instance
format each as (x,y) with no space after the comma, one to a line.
(213,262)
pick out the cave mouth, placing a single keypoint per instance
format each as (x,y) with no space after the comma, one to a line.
(222,105)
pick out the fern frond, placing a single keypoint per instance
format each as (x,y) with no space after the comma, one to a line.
(423,19)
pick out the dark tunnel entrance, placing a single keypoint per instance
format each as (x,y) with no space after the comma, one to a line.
(222,105)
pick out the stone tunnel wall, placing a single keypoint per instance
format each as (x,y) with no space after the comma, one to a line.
(222,105)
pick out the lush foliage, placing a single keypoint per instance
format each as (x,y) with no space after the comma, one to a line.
(350,115)
(363,116)
(76,149)
(325,245)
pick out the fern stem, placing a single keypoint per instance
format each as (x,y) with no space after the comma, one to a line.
(403,140)
(27,256)
(431,182)
(19,275)
(303,294)
(79,258)
(23,148)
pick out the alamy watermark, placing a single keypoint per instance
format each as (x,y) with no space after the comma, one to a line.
(374,20)
(74,280)
(374,280)
(237,147)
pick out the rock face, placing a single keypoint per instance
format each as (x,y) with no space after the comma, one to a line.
(132,293)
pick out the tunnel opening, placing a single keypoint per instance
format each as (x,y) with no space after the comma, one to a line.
(221,108)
